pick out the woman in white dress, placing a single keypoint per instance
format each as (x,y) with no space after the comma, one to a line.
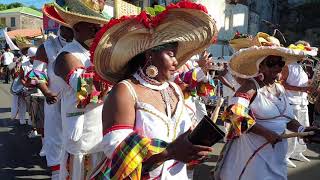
(145,121)
(259,114)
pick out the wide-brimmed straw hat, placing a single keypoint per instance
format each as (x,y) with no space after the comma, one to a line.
(121,39)
(23,42)
(311,51)
(245,63)
(240,41)
(75,11)
(264,39)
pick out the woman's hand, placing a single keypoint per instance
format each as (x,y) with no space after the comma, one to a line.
(183,150)
(272,137)
(308,89)
(51,97)
(309,139)
(205,62)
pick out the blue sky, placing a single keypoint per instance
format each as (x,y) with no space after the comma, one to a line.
(37,3)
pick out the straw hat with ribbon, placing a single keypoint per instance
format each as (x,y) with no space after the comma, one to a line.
(311,51)
(71,12)
(240,41)
(264,39)
(245,63)
(23,42)
(122,39)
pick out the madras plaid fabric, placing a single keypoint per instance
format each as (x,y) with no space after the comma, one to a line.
(241,119)
(86,91)
(127,159)
(196,88)
(37,77)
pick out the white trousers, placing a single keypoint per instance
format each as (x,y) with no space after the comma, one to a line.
(19,107)
(52,133)
(76,164)
(295,145)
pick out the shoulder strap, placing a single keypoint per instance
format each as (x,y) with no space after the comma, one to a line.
(131,90)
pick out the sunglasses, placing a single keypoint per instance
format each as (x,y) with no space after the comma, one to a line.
(272,62)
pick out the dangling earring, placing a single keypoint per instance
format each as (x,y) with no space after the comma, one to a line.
(260,76)
(152,71)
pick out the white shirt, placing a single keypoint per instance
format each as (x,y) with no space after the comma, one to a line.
(297,77)
(7,58)
(24,59)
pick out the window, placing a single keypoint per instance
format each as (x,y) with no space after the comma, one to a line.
(158,2)
(13,21)
(138,3)
(3,21)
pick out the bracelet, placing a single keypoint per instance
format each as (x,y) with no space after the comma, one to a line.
(301,129)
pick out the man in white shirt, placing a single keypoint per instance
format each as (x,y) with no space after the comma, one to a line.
(7,58)
(295,81)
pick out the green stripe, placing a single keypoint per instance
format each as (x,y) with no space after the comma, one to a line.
(74,114)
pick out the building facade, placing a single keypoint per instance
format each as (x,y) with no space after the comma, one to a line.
(21,18)
(300,20)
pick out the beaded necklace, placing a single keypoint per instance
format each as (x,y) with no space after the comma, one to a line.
(165,89)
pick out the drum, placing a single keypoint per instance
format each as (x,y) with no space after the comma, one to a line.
(36,110)
(17,87)
(12,65)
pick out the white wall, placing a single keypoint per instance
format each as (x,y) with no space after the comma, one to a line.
(230,18)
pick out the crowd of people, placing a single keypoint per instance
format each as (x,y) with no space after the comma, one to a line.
(121,96)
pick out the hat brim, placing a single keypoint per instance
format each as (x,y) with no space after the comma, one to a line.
(241,43)
(50,11)
(193,29)
(245,63)
(22,46)
(73,18)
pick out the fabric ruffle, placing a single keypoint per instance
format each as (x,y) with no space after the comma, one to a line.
(194,86)
(86,91)
(37,77)
(239,116)
(88,86)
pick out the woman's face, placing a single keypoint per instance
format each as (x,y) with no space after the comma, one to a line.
(271,67)
(166,63)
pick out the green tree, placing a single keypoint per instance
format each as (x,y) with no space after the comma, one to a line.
(10,6)
(33,7)
(3,7)
(14,5)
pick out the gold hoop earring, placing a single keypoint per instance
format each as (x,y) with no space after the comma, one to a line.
(152,71)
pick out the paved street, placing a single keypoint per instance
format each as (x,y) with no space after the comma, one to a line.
(19,157)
